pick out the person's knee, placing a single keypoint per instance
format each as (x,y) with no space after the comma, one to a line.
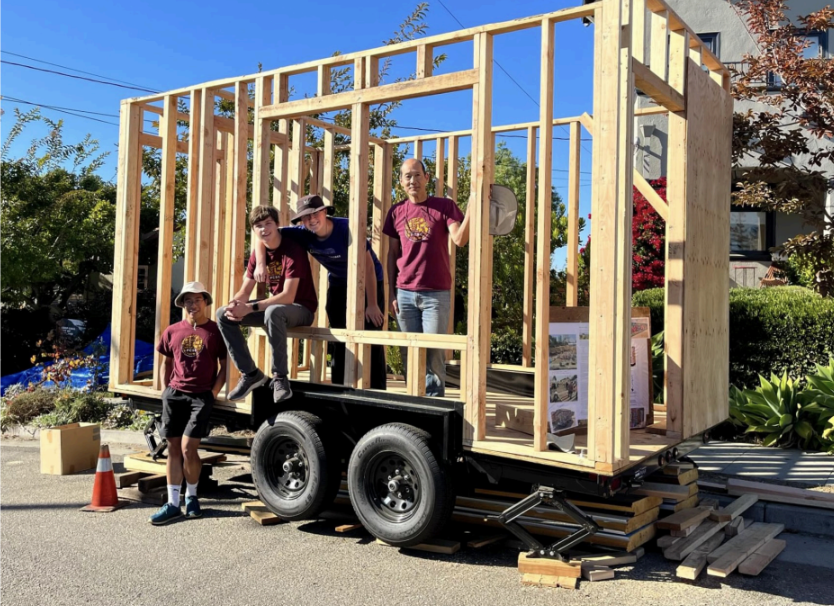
(175,448)
(189,448)
(221,315)
(275,313)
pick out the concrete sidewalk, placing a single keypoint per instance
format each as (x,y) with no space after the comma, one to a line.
(751,462)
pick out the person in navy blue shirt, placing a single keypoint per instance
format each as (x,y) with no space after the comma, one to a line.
(326,238)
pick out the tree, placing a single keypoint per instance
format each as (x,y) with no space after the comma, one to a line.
(797,120)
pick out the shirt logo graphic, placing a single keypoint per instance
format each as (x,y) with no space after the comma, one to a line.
(192,345)
(417,229)
(275,269)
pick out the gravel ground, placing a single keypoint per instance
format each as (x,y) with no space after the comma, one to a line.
(52,553)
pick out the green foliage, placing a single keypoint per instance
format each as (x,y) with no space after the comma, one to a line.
(820,389)
(19,405)
(506,347)
(658,363)
(782,329)
(121,416)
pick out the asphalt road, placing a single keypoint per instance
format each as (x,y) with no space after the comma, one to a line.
(53,554)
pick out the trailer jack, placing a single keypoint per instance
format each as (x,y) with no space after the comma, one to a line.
(544,495)
(156,450)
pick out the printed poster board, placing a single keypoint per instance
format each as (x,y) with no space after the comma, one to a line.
(568,369)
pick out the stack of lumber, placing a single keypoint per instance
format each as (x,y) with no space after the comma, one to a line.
(676,484)
(720,540)
(146,482)
(626,521)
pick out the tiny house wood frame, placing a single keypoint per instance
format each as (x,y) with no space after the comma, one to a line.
(638,44)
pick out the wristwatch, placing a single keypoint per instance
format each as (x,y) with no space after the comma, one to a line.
(255,306)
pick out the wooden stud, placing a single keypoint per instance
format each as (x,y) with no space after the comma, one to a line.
(298,176)
(572,294)
(452,194)
(205,187)
(358,221)
(543,221)
(695,55)
(764,555)
(529,251)
(358,79)
(323,82)
(383,159)
(726,558)
(127,224)
(168,128)
(218,228)
(261,144)
(416,383)
(480,281)
(425,61)
(658,23)
(678,51)
(371,71)
(696,561)
(638,30)
(418,150)
(194,130)
(660,92)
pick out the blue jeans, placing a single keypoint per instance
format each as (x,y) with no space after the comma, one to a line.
(427,311)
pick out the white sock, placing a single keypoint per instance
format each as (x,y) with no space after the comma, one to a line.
(174,494)
(191,489)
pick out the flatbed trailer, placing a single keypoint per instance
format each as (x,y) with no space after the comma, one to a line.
(407,455)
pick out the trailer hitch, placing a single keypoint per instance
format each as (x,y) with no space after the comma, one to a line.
(545,495)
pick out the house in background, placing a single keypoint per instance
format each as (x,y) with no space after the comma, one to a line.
(752,232)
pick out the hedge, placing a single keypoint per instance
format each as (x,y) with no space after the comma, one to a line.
(781,329)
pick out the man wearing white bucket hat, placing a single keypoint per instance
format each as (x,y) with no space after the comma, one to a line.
(193,371)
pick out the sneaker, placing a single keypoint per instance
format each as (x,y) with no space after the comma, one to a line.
(165,514)
(280,388)
(246,385)
(192,508)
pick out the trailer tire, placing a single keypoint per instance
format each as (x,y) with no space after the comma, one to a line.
(399,490)
(295,465)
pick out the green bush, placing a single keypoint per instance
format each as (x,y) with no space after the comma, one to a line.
(21,405)
(772,330)
(506,347)
(75,407)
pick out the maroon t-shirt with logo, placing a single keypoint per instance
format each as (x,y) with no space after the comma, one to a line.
(423,231)
(289,260)
(196,352)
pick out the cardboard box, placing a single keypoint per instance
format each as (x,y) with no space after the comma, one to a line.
(70,448)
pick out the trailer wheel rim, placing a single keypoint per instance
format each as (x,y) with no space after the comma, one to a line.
(289,469)
(393,486)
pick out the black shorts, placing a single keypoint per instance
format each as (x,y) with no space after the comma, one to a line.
(185,413)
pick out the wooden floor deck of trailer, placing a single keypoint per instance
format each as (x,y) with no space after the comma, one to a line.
(502,441)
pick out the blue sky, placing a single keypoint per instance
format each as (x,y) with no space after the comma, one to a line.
(162,46)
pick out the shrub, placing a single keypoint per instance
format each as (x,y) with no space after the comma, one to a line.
(772,330)
(75,407)
(20,406)
(506,347)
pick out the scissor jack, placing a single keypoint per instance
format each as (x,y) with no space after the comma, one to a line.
(545,495)
(156,450)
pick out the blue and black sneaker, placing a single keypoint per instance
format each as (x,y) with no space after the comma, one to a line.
(165,514)
(192,508)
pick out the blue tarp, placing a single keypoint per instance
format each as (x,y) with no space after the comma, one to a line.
(80,378)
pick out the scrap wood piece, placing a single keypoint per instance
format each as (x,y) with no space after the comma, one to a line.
(711,503)
(696,561)
(712,486)
(683,533)
(683,547)
(483,541)
(124,480)
(594,572)
(158,496)
(143,461)
(432,546)
(265,517)
(148,483)
(667,491)
(764,555)
(677,467)
(667,541)
(675,507)
(545,566)
(614,559)
(684,478)
(543,580)
(348,528)
(249,505)
(726,558)
(781,494)
(734,509)
(684,519)
(736,527)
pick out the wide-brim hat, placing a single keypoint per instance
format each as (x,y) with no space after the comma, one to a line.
(192,287)
(309,205)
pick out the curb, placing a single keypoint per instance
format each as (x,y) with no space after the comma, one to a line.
(796,518)
(111,436)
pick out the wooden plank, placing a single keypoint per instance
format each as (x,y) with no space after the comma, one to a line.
(358,224)
(123,480)
(667,541)
(676,506)
(684,519)
(144,462)
(156,141)
(479,542)
(591,572)
(759,559)
(348,528)
(205,190)
(480,278)
(734,509)
(194,134)
(416,383)
(383,158)
(683,479)
(265,518)
(651,196)
(261,144)
(572,292)
(735,528)
(638,29)
(148,483)
(452,194)
(168,129)
(765,491)
(683,547)
(726,558)
(683,533)
(408,89)
(543,580)
(425,57)
(529,251)
(677,467)
(696,561)
(667,491)
(615,559)
(557,568)
(661,93)
(658,23)
(543,232)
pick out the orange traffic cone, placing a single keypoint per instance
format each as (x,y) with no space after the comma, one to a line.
(104,490)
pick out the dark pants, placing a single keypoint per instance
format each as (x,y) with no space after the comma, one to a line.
(276,319)
(337,314)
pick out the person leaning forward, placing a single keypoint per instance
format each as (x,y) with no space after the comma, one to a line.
(419,275)
(193,371)
(292,303)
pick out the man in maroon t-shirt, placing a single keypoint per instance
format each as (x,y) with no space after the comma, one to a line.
(292,303)
(419,277)
(192,350)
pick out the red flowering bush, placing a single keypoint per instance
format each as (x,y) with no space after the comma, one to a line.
(648,233)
